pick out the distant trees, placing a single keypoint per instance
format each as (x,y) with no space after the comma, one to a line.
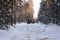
(28,10)
(31,20)
(49,12)
(25,11)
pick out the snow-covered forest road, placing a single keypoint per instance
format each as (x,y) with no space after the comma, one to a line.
(35,31)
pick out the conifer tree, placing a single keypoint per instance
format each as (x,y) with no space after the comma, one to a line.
(49,12)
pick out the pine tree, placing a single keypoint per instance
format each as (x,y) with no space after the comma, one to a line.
(8,12)
(49,12)
(5,13)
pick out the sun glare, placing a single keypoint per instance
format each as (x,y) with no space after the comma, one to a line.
(36,6)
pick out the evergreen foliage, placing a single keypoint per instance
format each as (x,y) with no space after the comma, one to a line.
(13,11)
(49,12)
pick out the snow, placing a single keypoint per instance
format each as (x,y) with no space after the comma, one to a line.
(37,31)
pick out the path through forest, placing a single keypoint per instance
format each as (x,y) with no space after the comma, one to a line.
(36,32)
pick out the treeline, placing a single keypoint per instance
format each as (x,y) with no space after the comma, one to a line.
(13,11)
(49,12)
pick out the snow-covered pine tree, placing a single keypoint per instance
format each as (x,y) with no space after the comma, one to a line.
(6,17)
(49,12)
(9,11)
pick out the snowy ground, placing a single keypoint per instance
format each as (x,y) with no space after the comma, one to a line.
(35,31)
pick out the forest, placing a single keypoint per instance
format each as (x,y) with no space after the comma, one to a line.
(29,19)
(17,11)
(13,11)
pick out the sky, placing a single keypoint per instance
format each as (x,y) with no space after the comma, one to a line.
(36,6)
